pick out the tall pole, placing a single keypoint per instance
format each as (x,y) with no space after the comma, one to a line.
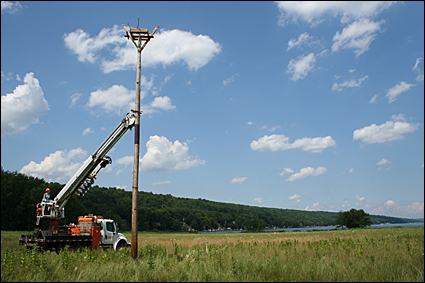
(136,158)
(140,35)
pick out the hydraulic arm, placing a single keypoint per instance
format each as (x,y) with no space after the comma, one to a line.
(84,178)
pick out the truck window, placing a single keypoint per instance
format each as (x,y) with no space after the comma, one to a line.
(110,227)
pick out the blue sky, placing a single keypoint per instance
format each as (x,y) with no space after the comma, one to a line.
(309,106)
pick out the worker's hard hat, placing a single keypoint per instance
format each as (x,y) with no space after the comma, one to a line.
(47,190)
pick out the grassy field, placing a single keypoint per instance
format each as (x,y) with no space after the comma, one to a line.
(384,254)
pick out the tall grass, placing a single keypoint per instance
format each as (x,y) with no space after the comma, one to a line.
(384,254)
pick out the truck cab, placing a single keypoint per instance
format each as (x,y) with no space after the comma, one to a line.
(109,236)
(104,232)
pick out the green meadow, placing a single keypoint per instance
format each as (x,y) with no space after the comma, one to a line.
(381,254)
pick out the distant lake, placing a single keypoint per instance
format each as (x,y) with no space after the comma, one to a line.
(325,228)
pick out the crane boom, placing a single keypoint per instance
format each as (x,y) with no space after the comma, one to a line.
(84,177)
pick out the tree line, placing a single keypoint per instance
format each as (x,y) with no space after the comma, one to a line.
(156,212)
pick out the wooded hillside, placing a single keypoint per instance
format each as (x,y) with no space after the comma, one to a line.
(20,194)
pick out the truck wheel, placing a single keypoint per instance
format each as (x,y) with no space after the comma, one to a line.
(121,245)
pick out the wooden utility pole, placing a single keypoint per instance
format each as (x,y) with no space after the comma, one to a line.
(138,35)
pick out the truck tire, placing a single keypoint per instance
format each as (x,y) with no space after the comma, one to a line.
(121,245)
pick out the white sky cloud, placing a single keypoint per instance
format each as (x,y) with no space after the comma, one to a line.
(271,129)
(230,80)
(396,90)
(120,100)
(117,99)
(315,206)
(314,12)
(417,70)
(304,37)
(23,107)
(294,197)
(6,76)
(167,48)
(238,180)
(301,67)
(281,142)
(389,131)
(307,172)
(58,166)
(350,83)
(374,98)
(351,170)
(163,155)
(359,200)
(391,207)
(159,103)
(358,36)
(126,160)
(258,200)
(286,171)
(74,99)
(10,6)
(399,117)
(383,161)
(87,131)
(161,183)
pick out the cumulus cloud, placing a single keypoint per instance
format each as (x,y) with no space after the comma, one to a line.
(314,12)
(118,99)
(258,200)
(358,36)
(10,7)
(58,166)
(301,67)
(87,131)
(359,200)
(350,83)
(302,38)
(415,209)
(159,103)
(163,155)
(169,47)
(238,180)
(383,161)
(315,206)
(396,90)
(389,131)
(281,142)
(307,172)
(23,107)
(294,197)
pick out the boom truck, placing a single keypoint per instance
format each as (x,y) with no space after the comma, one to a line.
(90,231)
